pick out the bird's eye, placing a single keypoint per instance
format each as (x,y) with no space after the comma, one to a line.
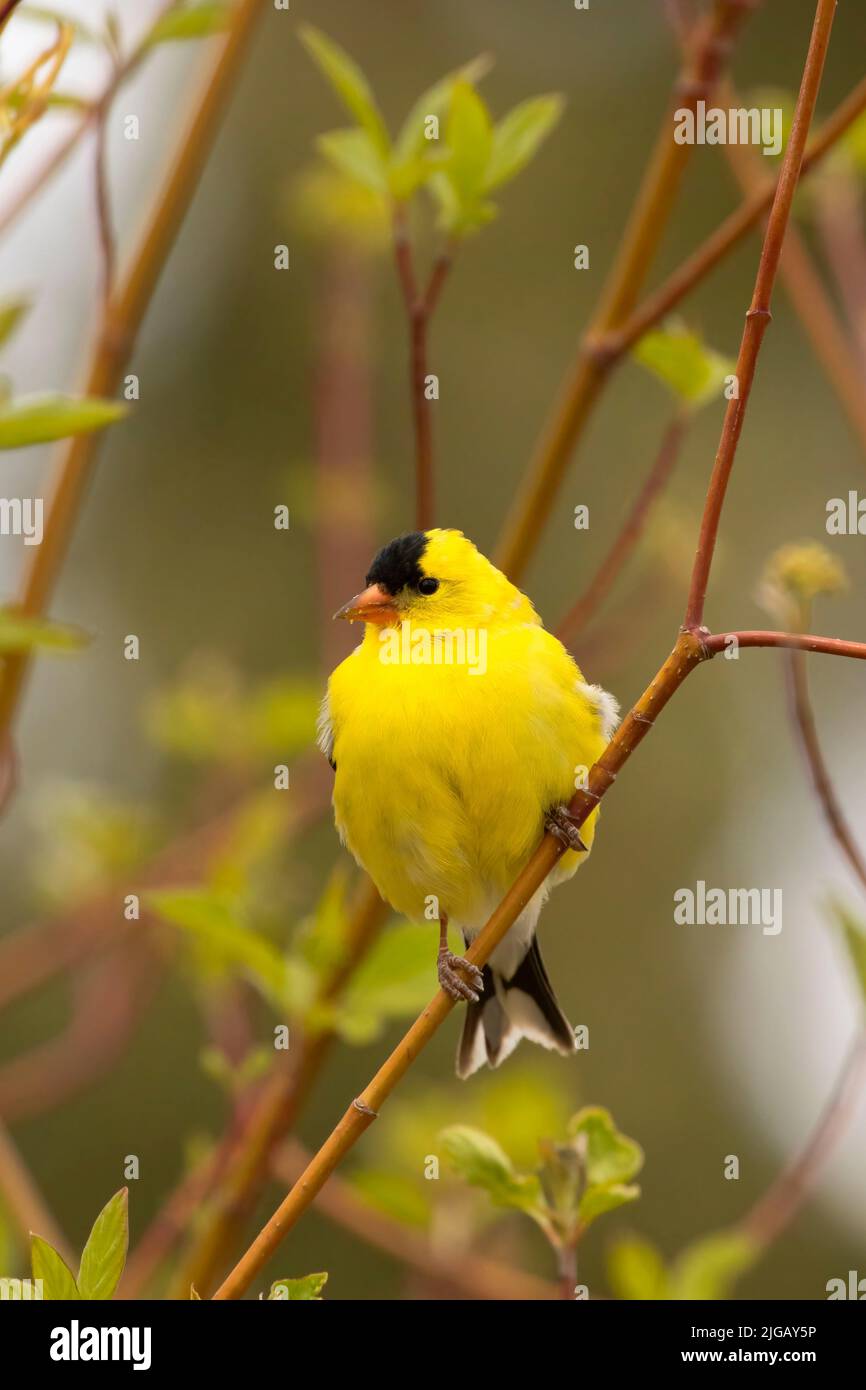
(428,586)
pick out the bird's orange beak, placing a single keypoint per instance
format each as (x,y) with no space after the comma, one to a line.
(372,605)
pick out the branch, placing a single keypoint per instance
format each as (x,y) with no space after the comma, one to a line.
(6,11)
(804,720)
(599,356)
(119,325)
(463,1273)
(649,215)
(740,222)
(805,289)
(689,652)
(419,310)
(64,149)
(274,1116)
(758,317)
(580,614)
(109,1002)
(801,641)
(839,219)
(103,207)
(792,1189)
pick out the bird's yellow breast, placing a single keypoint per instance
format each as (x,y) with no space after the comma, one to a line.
(445,768)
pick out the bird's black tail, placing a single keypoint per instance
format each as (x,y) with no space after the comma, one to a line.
(508,1010)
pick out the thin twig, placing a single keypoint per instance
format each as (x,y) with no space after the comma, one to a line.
(735,227)
(580,614)
(805,288)
(419,308)
(804,722)
(103,207)
(119,325)
(758,317)
(689,652)
(281,1102)
(650,213)
(839,219)
(599,356)
(110,999)
(6,11)
(59,155)
(791,1190)
(800,641)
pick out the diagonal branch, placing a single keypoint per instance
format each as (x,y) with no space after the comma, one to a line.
(579,615)
(757,322)
(788,1194)
(120,322)
(804,720)
(713,41)
(599,356)
(689,652)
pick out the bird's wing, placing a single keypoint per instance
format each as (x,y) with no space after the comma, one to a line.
(325,731)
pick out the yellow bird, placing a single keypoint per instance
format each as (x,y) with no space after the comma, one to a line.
(457,731)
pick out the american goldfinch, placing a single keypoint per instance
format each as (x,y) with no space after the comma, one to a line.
(457,731)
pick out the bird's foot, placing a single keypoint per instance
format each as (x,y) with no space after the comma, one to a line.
(560,822)
(452,983)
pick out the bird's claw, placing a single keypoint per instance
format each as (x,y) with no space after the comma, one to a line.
(561,824)
(454,986)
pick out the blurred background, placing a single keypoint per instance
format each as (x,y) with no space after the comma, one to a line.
(262,387)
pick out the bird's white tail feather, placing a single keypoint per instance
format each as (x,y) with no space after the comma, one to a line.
(510,1009)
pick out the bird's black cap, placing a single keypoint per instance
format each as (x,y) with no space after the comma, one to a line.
(398,564)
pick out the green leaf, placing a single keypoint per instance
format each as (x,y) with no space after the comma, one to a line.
(307,1289)
(710,1268)
(610,1157)
(104,1255)
(12,312)
(20,634)
(412,141)
(396,978)
(216,920)
(854,934)
(636,1270)
(38,419)
(459,180)
(518,136)
(853,142)
(192,22)
(604,1197)
(354,154)
(348,82)
(470,142)
(58,1281)
(479,1160)
(679,359)
(396,1194)
(410,165)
